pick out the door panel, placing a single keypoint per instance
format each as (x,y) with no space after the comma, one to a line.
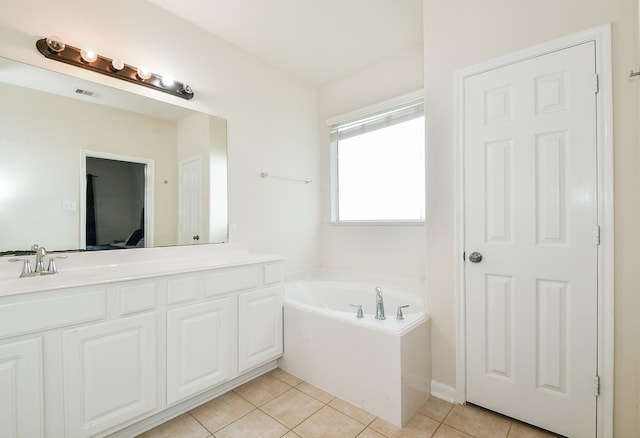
(531,211)
(198,348)
(190,202)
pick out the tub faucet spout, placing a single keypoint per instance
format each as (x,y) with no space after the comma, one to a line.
(379,304)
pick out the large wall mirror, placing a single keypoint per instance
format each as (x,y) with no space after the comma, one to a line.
(87,167)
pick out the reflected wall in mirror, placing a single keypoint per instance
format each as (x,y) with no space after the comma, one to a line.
(49,122)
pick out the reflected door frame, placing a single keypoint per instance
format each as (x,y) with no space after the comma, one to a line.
(149,175)
(603,82)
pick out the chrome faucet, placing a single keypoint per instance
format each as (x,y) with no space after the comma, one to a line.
(39,269)
(379,304)
(40,253)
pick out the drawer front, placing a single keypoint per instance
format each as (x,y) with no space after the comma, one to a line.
(48,313)
(273,273)
(232,280)
(137,297)
(182,289)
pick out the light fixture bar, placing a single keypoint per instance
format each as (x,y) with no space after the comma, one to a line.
(59,51)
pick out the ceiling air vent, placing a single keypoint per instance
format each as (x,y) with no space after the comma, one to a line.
(86,92)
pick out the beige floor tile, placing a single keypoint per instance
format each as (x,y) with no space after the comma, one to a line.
(315,392)
(418,426)
(255,424)
(329,423)
(184,426)
(291,434)
(435,408)
(354,412)
(262,389)
(445,431)
(522,430)
(292,407)
(478,422)
(370,433)
(222,411)
(287,378)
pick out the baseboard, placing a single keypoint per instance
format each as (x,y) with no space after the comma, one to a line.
(446,392)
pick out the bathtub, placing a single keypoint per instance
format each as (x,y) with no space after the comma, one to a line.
(383,367)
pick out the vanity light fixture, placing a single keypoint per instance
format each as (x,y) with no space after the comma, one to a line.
(88,55)
(55,48)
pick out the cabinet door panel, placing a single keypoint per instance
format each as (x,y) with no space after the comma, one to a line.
(21,389)
(198,348)
(260,327)
(110,373)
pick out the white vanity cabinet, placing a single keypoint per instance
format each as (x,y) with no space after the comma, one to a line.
(21,391)
(259,327)
(198,347)
(114,356)
(110,373)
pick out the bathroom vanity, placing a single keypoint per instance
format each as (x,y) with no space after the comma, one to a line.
(108,348)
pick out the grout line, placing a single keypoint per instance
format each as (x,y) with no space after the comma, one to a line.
(197,421)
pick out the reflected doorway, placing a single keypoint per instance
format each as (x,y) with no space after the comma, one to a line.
(116,202)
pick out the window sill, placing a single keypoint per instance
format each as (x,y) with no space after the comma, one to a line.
(393,223)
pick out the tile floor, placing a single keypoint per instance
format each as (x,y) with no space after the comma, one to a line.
(278,404)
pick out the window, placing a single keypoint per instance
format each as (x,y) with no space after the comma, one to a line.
(378,167)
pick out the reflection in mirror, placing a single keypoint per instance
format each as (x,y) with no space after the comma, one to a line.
(50,123)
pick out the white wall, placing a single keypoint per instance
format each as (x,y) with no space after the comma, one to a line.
(389,251)
(463,33)
(272,117)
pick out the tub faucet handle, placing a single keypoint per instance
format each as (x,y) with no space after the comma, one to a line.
(359,306)
(399,315)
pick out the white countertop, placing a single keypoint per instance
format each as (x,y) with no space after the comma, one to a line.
(88,268)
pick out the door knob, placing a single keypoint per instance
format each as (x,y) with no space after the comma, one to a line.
(196,237)
(475,257)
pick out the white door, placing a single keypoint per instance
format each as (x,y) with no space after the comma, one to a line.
(531,213)
(190,201)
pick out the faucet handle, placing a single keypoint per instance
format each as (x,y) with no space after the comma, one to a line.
(26,267)
(359,306)
(399,315)
(53,269)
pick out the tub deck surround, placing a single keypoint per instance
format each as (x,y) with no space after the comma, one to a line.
(183,325)
(335,298)
(94,267)
(383,367)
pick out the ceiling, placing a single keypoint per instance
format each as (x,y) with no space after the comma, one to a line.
(315,40)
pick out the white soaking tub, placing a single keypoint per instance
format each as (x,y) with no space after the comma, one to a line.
(383,367)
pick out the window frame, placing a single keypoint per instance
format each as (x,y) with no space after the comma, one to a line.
(333,157)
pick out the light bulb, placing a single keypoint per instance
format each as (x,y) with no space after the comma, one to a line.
(117,64)
(143,73)
(55,44)
(167,80)
(88,55)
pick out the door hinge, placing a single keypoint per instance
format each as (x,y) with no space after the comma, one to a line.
(596,386)
(597,234)
(597,84)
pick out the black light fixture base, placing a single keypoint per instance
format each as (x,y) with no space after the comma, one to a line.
(72,55)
